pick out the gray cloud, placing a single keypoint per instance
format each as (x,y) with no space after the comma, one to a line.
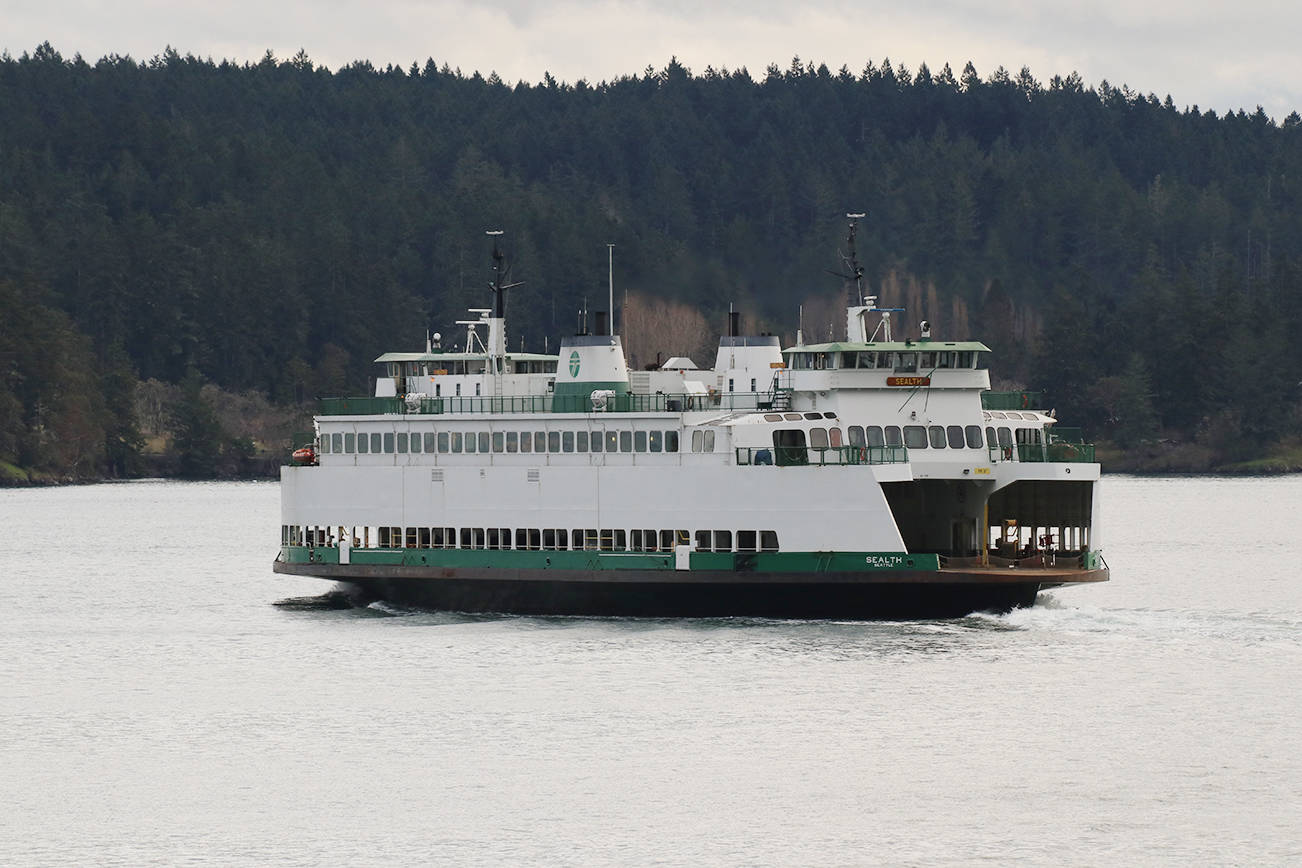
(1216,56)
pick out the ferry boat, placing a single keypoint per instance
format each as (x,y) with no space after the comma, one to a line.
(872,478)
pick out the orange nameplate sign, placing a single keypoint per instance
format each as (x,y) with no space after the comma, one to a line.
(908,381)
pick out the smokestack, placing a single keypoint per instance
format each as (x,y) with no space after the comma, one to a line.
(603,323)
(734,323)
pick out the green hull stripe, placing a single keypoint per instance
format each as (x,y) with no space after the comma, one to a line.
(794,562)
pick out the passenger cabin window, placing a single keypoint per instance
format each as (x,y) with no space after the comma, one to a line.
(937,435)
(955,435)
(873,434)
(893,437)
(818,438)
(789,447)
(915,436)
(402,442)
(350,442)
(973,435)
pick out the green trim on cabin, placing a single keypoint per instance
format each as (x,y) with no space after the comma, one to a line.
(794,562)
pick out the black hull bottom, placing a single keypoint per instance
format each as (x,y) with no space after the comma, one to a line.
(840,601)
(928,596)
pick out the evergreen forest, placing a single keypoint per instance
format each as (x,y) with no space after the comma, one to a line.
(192,251)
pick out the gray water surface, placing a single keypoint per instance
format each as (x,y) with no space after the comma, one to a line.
(157,709)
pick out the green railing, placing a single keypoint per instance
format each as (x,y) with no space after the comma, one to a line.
(821,456)
(361,406)
(629,403)
(1057,451)
(1011,400)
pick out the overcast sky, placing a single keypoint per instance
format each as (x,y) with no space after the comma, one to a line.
(1218,55)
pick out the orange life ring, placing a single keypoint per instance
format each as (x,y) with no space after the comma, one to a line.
(1026,401)
(863,455)
(1008,453)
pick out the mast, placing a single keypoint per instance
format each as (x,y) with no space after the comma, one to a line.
(611,249)
(496,347)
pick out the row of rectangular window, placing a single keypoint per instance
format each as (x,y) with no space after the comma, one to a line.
(459,442)
(912,436)
(537,539)
(894,361)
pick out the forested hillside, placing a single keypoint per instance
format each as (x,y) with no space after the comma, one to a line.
(273,227)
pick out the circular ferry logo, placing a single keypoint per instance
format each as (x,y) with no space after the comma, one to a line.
(574,363)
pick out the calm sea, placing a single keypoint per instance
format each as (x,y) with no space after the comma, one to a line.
(157,709)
